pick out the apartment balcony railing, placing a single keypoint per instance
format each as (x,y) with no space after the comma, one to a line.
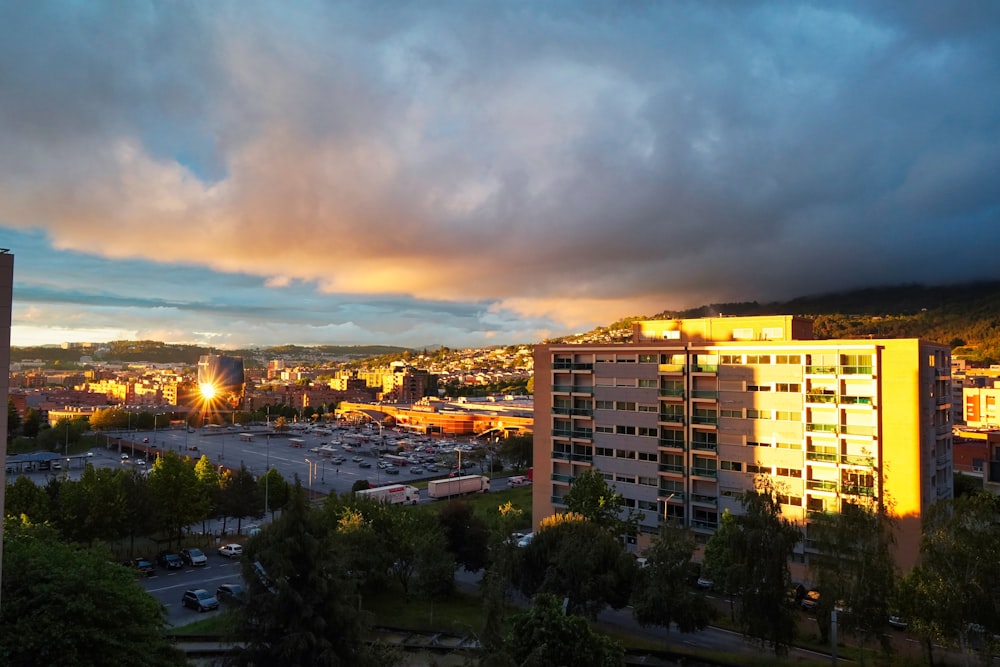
(670,368)
(819,485)
(818,514)
(562,478)
(705,420)
(828,457)
(856,370)
(670,467)
(704,472)
(821,398)
(571,366)
(669,496)
(705,525)
(858,460)
(821,428)
(705,368)
(821,370)
(672,444)
(705,393)
(842,370)
(557,500)
(585,434)
(571,389)
(671,417)
(671,393)
(858,490)
(573,412)
(856,400)
(703,499)
(851,429)
(704,446)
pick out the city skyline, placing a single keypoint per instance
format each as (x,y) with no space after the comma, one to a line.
(471,174)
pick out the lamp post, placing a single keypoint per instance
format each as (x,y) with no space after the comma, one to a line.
(312,470)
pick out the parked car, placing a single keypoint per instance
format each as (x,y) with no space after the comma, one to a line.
(194,557)
(199,599)
(357,459)
(518,480)
(705,582)
(144,566)
(431,468)
(392,470)
(898,623)
(810,601)
(231,593)
(231,550)
(416,470)
(169,560)
(526,540)
(365,464)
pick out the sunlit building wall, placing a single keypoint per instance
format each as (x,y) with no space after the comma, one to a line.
(692,413)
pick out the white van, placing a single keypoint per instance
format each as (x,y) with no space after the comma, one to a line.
(518,480)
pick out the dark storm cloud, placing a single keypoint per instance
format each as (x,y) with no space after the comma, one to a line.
(537,164)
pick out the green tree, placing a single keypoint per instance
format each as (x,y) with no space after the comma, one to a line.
(854,570)
(50,593)
(31,424)
(591,497)
(954,589)
(543,637)
(759,547)
(179,497)
(25,498)
(301,605)
(662,594)
(581,561)
(242,497)
(467,535)
(275,490)
(497,581)
(13,420)
(517,450)
(722,564)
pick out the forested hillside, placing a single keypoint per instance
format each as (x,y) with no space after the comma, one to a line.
(967,316)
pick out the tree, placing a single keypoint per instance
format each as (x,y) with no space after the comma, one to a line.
(722,563)
(954,590)
(13,419)
(241,497)
(466,534)
(544,636)
(50,593)
(274,489)
(662,594)
(854,570)
(517,450)
(25,498)
(591,496)
(498,578)
(179,497)
(757,547)
(301,604)
(580,561)
(32,423)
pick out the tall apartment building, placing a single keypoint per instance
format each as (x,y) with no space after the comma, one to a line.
(686,416)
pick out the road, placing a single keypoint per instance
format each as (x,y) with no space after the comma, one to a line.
(167,586)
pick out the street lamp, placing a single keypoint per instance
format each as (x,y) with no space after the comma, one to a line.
(312,471)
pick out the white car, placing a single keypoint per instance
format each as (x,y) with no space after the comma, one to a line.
(526,540)
(231,550)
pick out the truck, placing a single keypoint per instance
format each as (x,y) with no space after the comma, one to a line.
(457,486)
(394,494)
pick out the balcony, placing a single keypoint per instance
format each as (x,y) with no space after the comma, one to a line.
(705,472)
(670,368)
(557,500)
(858,490)
(705,394)
(585,434)
(821,398)
(822,428)
(671,444)
(821,370)
(705,525)
(563,365)
(705,420)
(821,485)
(856,400)
(670,467)
(855,370)
(668,496)
(705,368)
(851,429)
(704,500)
(671,393)
(822,455)
(573,412)
(704,446)
(671,417)
(857,460)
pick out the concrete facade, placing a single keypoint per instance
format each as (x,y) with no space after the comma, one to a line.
(687,416)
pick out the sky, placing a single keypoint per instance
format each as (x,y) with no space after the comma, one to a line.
(242,173)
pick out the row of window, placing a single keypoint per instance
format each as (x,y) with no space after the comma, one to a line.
(757,413)
(625,406)
(624,454)
(754,469)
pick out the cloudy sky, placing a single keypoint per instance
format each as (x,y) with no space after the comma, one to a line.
(474,173)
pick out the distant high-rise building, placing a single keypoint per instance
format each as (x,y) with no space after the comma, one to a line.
(221,378)
(686,417)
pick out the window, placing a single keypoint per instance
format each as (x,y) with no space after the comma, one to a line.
(648,481)
(648,384)
(647,408)
(604,429)
(754,469)
(731,359)
(789,472)
(649,432)
(735,466)
(646,456)
(604,405)
(647,359)
(788,445)
(755,443)
(649,505)
(788,359)
(758,414)
(625,382)
(758,358)
(758,387)
(624,454)
(738,414)
(626,479)
(625,430)
(625,406)
(604,451)
(788,387)
(788,415)
(789,500)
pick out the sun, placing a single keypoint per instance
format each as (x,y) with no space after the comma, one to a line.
(208,391)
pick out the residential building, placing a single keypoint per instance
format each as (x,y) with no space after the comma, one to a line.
(689,414)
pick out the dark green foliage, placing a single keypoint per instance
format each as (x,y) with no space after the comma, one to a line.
(467,536)
(580,561)
(662,593)
(545,637)
(70,607)
(591,497)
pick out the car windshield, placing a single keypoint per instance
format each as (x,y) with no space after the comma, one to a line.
(193,552)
